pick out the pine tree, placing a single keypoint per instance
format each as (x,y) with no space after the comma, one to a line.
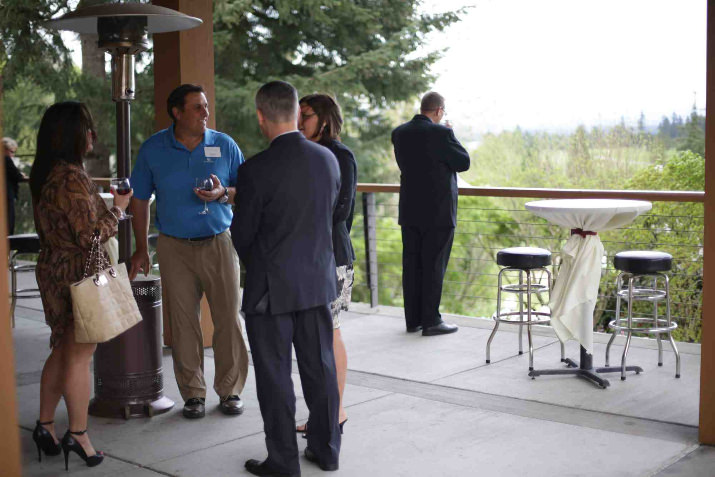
(362,52)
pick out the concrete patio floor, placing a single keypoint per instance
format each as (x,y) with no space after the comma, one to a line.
(418,406)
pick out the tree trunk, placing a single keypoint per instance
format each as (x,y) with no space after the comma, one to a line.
(93,64)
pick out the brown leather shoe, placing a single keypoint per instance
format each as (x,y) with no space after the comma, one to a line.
(194,408)
(231,405)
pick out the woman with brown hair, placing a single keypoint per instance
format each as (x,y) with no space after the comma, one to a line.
(68,212)
(321,121)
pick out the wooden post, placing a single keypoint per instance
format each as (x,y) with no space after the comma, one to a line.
(707,357)
(9,427)
(370,231)
(185,57)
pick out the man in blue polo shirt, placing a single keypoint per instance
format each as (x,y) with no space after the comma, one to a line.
(192,170)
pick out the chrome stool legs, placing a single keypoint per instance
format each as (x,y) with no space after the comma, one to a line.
(16,293)
(527,288)
(654,325)
(13,288)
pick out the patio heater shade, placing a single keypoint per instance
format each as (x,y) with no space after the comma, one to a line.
(158,19)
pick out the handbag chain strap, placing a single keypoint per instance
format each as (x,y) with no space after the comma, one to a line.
(96,256)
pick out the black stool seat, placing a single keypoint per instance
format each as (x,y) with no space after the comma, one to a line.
(152,240)
(643,261)
(24,243)
(524,258)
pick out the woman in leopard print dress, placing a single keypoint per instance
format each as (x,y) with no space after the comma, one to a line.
(67,210)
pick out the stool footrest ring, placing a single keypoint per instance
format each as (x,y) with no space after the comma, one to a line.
(646,328)
(522,288)
(516,318)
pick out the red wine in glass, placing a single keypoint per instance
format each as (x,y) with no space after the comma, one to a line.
(122,186)
(205,184)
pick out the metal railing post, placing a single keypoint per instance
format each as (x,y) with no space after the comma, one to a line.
(370,231)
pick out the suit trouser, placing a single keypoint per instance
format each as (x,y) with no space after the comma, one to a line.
(425,255)
(270,337)
(188,270)
(10,215)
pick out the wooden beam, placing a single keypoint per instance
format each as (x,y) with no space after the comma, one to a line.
(184,57)
(9,428)
(707,356)
(179,58)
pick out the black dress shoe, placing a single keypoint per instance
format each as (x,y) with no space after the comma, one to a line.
(441,329)
(414,329)
(231,405)
(310,455)
(194,408)
(257,467)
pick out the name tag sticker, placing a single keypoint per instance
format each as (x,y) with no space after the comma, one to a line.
(212,151)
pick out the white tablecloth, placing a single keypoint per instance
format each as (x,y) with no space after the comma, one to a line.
(575,291)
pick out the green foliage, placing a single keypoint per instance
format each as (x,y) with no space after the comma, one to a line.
(360,52)
(675,228)
(29,52)
(614,158)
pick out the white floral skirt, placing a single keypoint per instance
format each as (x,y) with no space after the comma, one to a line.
(346,278)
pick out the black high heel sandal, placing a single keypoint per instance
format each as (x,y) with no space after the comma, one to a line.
(69,443)
(44,441)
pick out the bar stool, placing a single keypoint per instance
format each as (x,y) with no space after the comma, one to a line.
(22,244)
(634,265)
(525,261)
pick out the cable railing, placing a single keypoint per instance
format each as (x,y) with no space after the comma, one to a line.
(490,219)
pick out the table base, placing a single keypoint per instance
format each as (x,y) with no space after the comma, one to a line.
(617,369)
(584,370)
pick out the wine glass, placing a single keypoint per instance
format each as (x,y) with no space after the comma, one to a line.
(121,186)
(204,183)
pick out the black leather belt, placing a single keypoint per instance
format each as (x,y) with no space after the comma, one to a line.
(193,239)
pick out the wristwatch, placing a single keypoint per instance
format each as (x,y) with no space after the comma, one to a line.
(224,198)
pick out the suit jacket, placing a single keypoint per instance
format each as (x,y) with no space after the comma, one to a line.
(13,177)
(343,215)
(429,156)
(282,226)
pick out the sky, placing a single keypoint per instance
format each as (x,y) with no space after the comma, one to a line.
(554,64)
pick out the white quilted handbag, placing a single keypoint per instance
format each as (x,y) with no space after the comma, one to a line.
(102,302)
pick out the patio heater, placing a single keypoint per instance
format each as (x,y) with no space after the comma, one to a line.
(128,378)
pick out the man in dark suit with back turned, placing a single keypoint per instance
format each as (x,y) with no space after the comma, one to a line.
(282,226)
(429,156)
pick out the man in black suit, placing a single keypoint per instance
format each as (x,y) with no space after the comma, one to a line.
(429,156)
(285,197)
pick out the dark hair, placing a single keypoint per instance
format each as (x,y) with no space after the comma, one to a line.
(431,101)
(62,137)
(278,101)
(329,116)
(177,98)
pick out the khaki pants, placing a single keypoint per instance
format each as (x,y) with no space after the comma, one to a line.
(188,270)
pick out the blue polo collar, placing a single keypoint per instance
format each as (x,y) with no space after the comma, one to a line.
(208,139)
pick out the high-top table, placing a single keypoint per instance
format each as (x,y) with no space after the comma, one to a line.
(575,291)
